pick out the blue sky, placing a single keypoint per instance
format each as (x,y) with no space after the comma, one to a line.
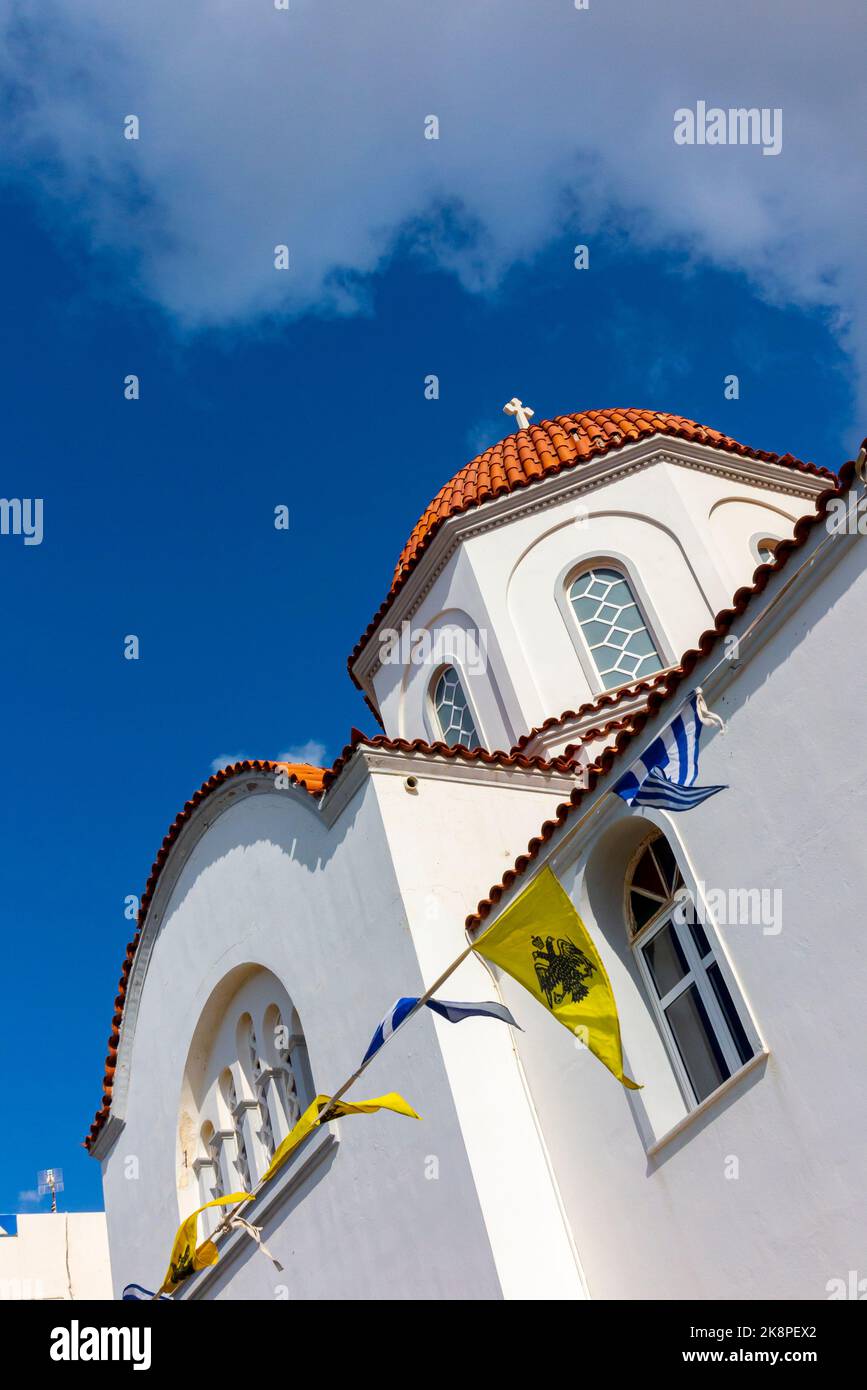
(159,512)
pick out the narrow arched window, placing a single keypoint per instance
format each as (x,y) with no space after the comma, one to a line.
(259,1073)
(237,1142)
(451,708)
(292,1084)
(207,1164)
(612,626)
(208,1170)
(703,1021)
(248,1078)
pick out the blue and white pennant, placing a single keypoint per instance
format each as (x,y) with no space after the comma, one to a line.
(455,1013)
(665,774)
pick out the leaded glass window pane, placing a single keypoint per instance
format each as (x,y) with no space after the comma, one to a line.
(613,627)
(453,712)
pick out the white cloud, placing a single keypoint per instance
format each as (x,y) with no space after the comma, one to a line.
(310,752)
(29,1197)
(305,127)
(226,760)
(486,432)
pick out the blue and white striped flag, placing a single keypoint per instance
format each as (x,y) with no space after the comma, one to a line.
(134,1293)
(665,774)
(455,1013)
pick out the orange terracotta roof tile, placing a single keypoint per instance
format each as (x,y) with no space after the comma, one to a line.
(315,781)
(543,450)
(454,752)
(300,774)
(603,701)
(663,692)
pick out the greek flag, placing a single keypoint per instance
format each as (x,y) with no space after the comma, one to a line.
(134,1293)
(455,1013)
(666,772)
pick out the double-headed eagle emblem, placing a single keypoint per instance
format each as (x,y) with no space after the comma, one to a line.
(561,970)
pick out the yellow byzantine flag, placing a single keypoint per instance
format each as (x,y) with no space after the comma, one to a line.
(310,1119)
(542,943)
(185,1258)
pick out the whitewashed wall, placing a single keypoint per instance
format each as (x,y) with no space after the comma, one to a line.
(547,1174)
(450,840)
(56,1255)
(673,1225)
(269,885)
(684,535)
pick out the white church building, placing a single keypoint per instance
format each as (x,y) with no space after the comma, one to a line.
(555,606)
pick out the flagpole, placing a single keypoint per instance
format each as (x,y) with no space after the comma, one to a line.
(757,622)
(441,979)
(225,1224)
(419,1004)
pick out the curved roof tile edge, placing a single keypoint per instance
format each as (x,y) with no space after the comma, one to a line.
(657,698)
(171,835)
(602,701)
(316,782)
(545,450)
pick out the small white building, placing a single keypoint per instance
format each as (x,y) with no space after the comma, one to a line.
(561,597)
(55,1255)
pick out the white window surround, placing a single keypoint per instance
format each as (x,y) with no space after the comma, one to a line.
(593,867)
(698,960)
(316,1152)
(434,720)
(249,1091)
(206,1165)
(621,646)
(693,1116)
(649,616)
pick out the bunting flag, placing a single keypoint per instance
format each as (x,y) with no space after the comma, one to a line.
(186,1258)
(312,1116)
(665,774)
(542,943)
(454,1012)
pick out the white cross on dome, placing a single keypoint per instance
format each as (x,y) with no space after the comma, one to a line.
(521,412)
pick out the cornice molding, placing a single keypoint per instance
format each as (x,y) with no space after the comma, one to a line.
(434,768)
(767,613)
(329,808)
(550,742)
(562,487)
(202,818)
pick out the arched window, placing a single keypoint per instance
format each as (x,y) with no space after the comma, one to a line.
(247,1081)
(451,708)
(258,1075)
(613,627)
(291,1081)
(208,1171)
(206,1164)
(237,1143)
(700,1019)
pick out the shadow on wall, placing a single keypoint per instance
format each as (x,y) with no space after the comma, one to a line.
(289,819)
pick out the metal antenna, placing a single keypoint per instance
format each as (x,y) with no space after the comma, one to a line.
(51,1180)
